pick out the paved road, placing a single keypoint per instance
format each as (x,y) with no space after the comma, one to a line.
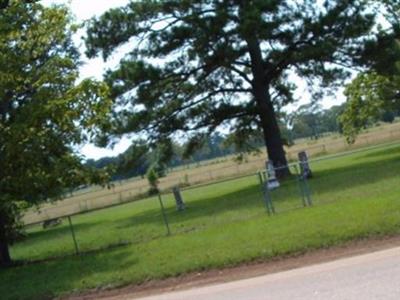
(371,276)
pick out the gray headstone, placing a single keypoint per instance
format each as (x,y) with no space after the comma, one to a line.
(180,205)
(304,165)
(272,181)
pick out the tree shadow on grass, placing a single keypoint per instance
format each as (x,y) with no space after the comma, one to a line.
(394,150)
(49,278)
(55,232)
(234,206)
(244,199)
(324,181)
(356,174)
(48,243)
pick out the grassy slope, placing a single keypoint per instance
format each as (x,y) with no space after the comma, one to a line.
(358,204)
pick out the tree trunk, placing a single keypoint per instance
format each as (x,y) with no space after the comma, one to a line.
(269,124)
(5,259)
(272,138)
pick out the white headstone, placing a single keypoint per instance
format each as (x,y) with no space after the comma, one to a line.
(272,181)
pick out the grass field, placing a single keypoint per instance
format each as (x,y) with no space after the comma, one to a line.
(208,171)
(225,224)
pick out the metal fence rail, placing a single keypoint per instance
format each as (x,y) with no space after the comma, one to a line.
(137,189)
(211,204)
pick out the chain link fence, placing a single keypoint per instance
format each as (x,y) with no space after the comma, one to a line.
(136,188)
(318,181)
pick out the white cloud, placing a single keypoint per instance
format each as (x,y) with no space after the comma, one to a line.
(84,10)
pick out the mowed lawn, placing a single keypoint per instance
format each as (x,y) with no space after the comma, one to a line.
(225,224)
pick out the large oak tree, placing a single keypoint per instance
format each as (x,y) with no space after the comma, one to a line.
(195,66)
(44,113)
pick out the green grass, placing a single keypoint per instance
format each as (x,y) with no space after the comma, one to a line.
(225,224)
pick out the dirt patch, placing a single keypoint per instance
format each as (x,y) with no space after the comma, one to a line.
(244,271)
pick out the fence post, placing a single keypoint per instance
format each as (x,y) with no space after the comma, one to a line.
(164,215)
(268,201)
(260,179)
(308,192)
(73,235)
(186,179)
(302,191)
(267,197)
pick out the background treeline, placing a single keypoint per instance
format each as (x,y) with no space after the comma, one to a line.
(136,160)
(309,121)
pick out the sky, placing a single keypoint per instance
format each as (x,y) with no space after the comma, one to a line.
(83,10)
(86,9)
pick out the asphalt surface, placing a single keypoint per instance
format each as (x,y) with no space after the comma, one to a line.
(371,276)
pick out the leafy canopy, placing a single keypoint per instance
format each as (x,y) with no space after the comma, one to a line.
(377,89)
(44,113)
(190,68)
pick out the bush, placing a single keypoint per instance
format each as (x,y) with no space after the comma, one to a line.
(152,177)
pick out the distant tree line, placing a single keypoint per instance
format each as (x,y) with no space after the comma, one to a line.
(308,121)
(138,159)
(313,122)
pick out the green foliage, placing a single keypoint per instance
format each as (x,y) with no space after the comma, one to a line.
(44,113)
(6,3)
(369,96)
(374,94)
(138,158)
(152,177)
(311,121)
(355,204)
(319,121)
(197,66)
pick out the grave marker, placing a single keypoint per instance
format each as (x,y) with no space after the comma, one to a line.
(305,169)
(180,205)
(272,181)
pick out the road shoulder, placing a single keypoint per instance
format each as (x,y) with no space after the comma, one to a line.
(244,271)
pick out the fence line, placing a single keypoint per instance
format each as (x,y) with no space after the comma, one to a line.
(294,192)
(125,193)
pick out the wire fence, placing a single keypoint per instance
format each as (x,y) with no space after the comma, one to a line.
(130,190)
(251,195)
